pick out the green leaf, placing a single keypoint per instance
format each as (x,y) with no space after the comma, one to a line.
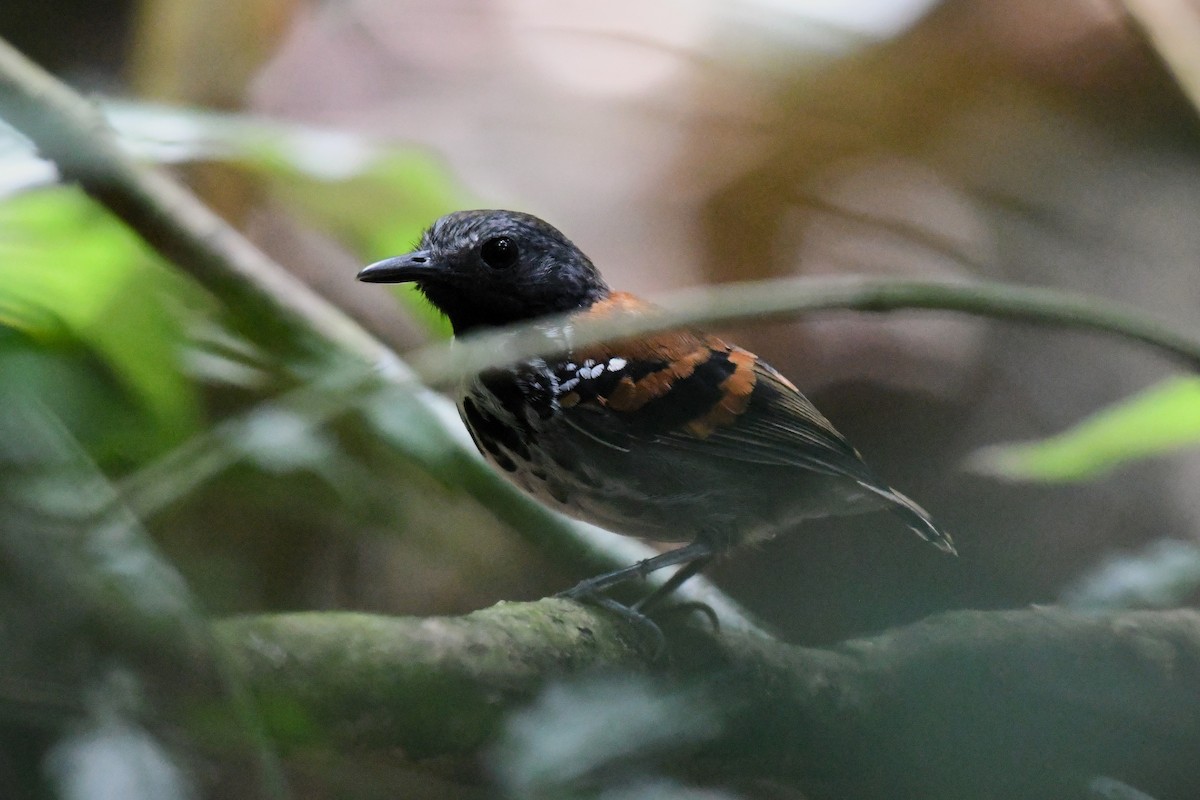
(1163,418)
(381,211)
(383,198)
(70,275)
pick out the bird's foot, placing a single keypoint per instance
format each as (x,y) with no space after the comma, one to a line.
(685,607)
(582,593)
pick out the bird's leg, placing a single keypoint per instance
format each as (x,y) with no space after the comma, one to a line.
(694,557)
(647,603)
(687,554)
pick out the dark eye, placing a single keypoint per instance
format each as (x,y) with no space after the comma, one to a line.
(499,253)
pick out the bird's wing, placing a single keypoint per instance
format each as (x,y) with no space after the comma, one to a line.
(693,392)
(779,426)
(690,393)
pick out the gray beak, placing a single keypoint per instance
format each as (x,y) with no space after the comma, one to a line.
(401,269)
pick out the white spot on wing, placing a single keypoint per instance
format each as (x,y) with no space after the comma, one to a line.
(616,363)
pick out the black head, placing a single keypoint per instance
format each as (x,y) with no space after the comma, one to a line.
(492,268)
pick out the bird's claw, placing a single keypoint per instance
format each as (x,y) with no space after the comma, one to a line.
(584,594)
(704,609)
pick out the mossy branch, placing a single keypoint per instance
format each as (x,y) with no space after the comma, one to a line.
(1030,703)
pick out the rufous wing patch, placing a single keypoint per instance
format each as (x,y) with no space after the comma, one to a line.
(680,353)
(630,395)
(735,393)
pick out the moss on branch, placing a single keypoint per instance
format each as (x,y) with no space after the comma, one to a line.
(1026,703)
(430,686)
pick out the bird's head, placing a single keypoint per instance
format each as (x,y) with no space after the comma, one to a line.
(493,268)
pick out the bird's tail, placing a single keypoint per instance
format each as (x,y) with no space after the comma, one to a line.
(915,517)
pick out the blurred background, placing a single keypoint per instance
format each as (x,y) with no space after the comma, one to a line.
(679,144)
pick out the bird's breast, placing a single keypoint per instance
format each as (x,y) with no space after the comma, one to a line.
(525,423)
(512,416)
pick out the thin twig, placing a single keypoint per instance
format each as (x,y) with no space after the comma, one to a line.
(444,364)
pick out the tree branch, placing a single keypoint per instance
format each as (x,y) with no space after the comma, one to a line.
(1030,703)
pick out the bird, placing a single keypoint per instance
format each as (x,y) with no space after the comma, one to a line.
(677,437)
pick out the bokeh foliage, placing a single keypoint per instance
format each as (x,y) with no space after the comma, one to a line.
(129,367)
(121,345)
(1159,420)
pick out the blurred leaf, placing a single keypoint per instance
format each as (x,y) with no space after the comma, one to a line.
(382,211)
(1103,787)
(115,759)
(176,135)
(69,543)
(600,733)
(20,167)
(1163,418)
(1163,575)
(71,275)
(407,420)
(386,194)
(280,440)
(60,525)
